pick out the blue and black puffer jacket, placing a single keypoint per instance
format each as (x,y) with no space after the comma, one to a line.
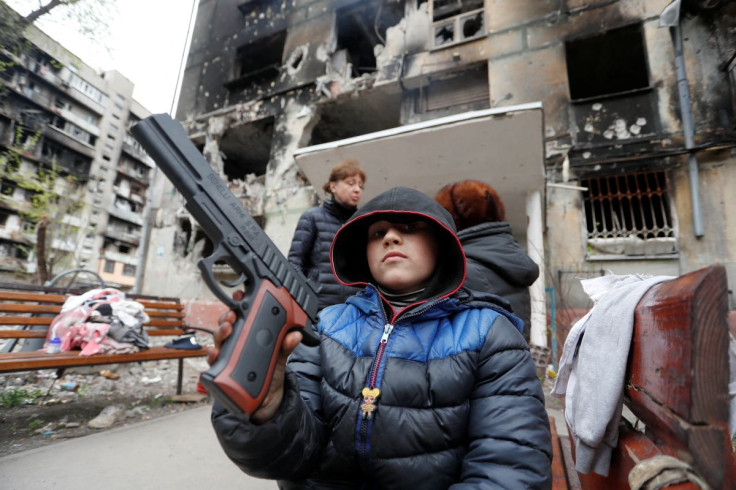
(456,401)
(310,249)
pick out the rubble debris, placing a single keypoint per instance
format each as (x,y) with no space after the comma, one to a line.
(107,417)
(109,374)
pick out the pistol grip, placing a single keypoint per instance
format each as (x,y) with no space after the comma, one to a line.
(241,375)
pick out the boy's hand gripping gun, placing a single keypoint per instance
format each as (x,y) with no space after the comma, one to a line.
(278,298)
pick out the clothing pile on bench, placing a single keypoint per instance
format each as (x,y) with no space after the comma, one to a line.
(100,321)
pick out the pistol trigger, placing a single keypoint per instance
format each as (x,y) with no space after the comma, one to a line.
(241,279)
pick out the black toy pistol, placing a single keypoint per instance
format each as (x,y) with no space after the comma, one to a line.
(278,298)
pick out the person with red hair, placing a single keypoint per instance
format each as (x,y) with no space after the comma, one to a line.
(496,261)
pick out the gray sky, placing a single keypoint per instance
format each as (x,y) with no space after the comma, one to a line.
(145,41)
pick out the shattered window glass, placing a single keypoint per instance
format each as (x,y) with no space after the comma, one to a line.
(444,33)
(456,21)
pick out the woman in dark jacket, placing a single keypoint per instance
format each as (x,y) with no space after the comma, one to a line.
(310,246)
(414,384)
(496,262)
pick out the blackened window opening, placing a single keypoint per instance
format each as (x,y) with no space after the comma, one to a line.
(609,63)
(629,204)
(247,148)
(361,27)
(260,61)
(252,8)
(208,247)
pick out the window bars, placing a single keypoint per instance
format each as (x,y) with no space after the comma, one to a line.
(628,205)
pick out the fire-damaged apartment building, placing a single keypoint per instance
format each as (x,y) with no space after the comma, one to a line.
(606,126)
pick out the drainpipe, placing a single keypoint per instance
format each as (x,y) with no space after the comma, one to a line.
(670,17)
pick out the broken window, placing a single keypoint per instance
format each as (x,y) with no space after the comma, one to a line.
(459,92)
(611,99)
(7,188)
(608,63)
(360,27)
(455,21)
(629,214)
(247,148)
(258,62)
(182,237)
(188,240)
(14,250)
(12,165)
(51,151)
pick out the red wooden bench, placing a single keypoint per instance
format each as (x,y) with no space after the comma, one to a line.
(676,385)
(26,311)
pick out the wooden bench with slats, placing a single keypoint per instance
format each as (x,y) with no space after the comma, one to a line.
(676,386)
(26,311)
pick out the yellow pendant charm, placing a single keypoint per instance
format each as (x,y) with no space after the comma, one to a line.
(369,401)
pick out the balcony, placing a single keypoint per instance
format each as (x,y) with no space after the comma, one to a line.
(129,259)
(132,174)
(69,141)
(39,98)
(123,236)
(18,205)
(82,98)
(126,215)
(134,151)
(615,119)
(17,236)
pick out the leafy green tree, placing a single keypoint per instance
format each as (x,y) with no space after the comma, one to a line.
(55,202)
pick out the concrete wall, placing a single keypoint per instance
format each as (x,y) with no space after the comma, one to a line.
(525,52)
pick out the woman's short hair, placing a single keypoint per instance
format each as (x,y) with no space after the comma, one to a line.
(471,202)
(343,170)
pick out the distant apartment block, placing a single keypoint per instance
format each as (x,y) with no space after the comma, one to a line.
(57,114)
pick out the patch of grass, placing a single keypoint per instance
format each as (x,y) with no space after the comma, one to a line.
(158,401)
(35,424)
(82,391)
(18,396)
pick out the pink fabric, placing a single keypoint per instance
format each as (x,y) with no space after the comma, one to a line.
(89,337)
(75,332)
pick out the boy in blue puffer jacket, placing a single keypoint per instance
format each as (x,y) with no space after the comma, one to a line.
(416,382)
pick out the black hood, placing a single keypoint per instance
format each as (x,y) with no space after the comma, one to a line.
(348,252)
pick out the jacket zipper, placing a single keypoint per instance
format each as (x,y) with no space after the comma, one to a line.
(371,393)
(370,398)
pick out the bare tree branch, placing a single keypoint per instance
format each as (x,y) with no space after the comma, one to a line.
(45,9)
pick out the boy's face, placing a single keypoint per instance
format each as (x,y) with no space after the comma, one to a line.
(401,256)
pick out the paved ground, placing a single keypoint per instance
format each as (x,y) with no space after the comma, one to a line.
(177,451)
